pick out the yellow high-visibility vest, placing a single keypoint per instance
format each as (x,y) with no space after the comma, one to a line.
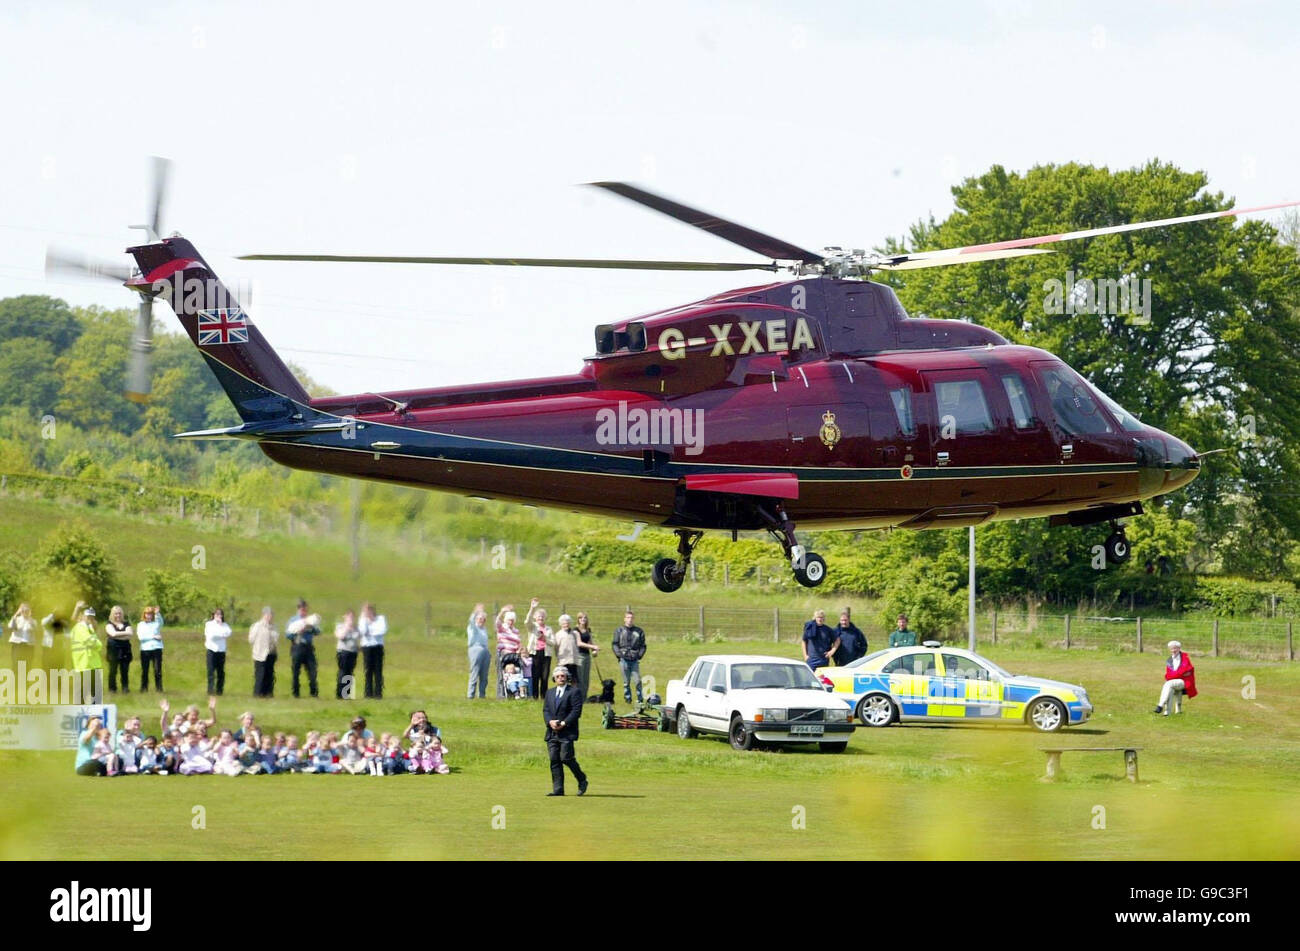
(87,651)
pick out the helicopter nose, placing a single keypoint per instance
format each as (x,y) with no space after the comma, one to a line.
(1182,464)
(1164,464)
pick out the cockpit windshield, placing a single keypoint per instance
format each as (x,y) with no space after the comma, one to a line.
(1126,419)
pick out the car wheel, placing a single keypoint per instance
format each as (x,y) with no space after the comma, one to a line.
(1047,715)
(833,747)
(876,709)
(684,728)
(741,738)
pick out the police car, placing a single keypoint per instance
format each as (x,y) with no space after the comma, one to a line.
(935,682)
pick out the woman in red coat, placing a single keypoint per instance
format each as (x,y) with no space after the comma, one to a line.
(1179,675)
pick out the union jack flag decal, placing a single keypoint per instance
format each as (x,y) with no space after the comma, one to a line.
(223,325)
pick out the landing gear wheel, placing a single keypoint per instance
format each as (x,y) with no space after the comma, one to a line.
(813,571)
(1117,548)
(666,576)
(741,738)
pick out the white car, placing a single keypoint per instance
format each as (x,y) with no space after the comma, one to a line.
(754,699)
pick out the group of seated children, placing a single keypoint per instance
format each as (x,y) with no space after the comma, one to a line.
(186,749)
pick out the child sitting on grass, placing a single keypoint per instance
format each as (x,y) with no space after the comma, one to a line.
(394,758)
(351,759)
(103,751)
(267,759)
(433,753)
(249,751)
(322,760)
(150,760)
(290,760)
(374,757)
(225,755)
(194,759)
(128,745)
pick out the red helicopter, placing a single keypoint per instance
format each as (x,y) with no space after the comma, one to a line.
(814,399)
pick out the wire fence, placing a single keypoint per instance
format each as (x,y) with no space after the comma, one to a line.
(1253,639)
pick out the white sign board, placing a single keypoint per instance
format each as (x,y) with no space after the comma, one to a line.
(51,727)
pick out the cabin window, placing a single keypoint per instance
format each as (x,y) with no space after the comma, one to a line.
(903,410)
(962,402)
(1022,410)
(1076,410)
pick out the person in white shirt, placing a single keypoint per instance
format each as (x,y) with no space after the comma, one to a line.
(216,634)
(347,641)
(22,635)
(373,627)
(261,639)
(149,630)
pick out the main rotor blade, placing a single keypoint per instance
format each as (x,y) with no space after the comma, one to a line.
(62,260)
(755,241)
(913,262)
(521,262)
(970,252)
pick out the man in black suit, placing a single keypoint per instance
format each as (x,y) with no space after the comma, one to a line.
(561,709)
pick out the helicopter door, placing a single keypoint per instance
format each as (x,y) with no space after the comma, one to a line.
(966,437)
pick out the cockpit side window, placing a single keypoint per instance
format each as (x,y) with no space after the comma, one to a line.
(1022,408)
(902,400)
(1077,411)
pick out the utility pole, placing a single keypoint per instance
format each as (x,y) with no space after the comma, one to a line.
(971,586)
(356,528)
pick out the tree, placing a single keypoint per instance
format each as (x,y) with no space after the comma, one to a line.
(27,377)
(43,318)
(92,373)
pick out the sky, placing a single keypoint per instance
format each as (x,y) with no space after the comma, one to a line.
(456,129)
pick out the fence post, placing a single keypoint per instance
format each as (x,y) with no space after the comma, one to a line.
(726,574)
(701,622)
(1067,632)
(993,629)
(1139,620)
(1290,650)
(182,506)
(1215,641)
(482,548)
(692,570)
(776,625)
(758,574)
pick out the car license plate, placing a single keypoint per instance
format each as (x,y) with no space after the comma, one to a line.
(811,729)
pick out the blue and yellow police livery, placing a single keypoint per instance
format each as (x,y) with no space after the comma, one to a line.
(934,682)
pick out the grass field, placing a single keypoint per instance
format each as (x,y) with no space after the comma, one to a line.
(1222,781)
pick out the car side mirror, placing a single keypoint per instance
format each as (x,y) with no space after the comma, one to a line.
(718,688)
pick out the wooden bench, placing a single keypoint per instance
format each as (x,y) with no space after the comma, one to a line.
(1130,759)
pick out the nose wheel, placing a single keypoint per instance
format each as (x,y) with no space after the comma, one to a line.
(1117,546)
(669,573)
(809,567)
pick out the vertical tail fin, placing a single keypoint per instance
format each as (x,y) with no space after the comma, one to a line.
(253,376)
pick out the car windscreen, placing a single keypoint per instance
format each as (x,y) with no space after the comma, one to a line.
(791,676)
(867,659)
